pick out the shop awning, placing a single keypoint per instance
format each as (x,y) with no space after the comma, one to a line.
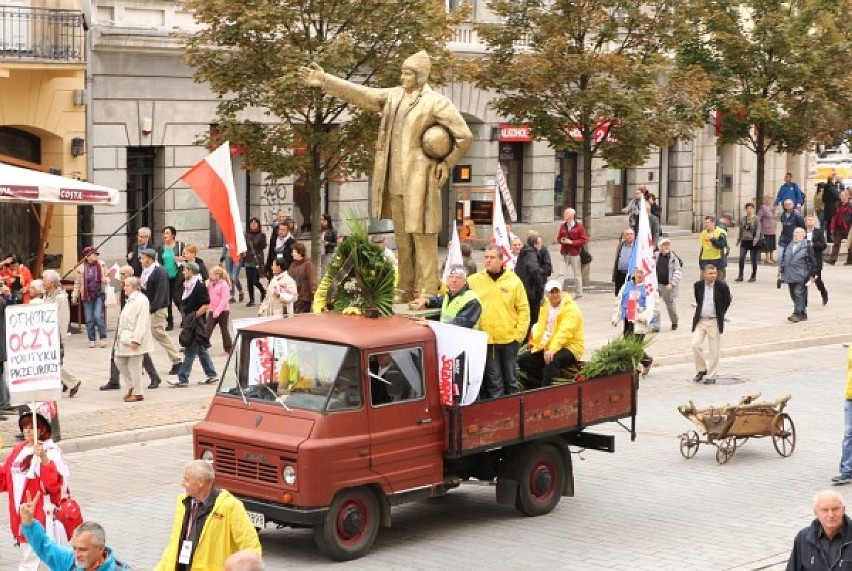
(24,185)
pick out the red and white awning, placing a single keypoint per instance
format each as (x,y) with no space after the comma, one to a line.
(24,185)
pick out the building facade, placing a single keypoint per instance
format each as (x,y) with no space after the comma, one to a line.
(146,116)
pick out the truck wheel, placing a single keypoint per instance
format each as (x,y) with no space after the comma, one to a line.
(540,481)
(350,526)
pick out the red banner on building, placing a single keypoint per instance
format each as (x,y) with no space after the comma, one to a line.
(599,133)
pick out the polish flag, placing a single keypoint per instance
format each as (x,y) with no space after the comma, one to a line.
(212,179)
(644,257)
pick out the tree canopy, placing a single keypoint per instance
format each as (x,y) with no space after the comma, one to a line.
(249,53)
(593,76)
(778,71)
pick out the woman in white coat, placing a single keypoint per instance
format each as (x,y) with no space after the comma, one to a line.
(281,292)
(133,339)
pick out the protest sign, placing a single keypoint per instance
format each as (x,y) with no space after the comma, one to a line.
(32,370)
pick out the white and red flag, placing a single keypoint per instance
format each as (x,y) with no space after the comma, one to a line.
(499,234)
(643,257)
(454,253)
(212,179)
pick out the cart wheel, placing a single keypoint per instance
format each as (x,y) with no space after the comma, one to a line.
(783,434)
(723,453)
(689,442)
(731,444)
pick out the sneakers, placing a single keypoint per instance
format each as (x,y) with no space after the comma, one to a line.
(841,479)
(91,344)
(795,318)
(103,343)
(178,383)
(175,369)
(208,381)
(699,376)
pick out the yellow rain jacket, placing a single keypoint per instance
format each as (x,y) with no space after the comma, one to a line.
(226,530)
(568,330)
(505,309)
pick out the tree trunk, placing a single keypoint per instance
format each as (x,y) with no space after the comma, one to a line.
(315,184)
(586,215)
(760,175)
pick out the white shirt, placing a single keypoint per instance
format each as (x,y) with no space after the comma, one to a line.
(552,312)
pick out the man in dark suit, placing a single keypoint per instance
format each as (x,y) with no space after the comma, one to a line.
(143,242)
(817,238)
(712,300)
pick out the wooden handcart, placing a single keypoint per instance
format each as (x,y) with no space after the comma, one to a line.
(730,426)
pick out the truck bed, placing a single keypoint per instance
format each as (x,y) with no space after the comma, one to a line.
(530,415)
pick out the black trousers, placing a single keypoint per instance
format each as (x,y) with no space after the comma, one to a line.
(541,374)
(169,319)
(253,281)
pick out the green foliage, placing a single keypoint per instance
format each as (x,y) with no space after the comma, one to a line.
(589,62)
(619,355)
(369,282)
(777,67)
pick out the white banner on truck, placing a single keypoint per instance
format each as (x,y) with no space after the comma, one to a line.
(461,362)
(32,353)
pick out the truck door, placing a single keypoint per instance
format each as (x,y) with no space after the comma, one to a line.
(406,442)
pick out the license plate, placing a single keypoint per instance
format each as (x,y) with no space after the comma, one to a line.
(257,520)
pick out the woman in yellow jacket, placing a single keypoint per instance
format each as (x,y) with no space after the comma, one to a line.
(223,525)
(558,337)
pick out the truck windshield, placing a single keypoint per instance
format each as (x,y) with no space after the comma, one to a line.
(300,374)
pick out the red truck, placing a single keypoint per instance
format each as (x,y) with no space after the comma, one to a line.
(326,421)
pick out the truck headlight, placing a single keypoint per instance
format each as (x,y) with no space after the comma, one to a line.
(289,475)
(207,456)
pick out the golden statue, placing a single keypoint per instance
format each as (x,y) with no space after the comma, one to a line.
(421,138)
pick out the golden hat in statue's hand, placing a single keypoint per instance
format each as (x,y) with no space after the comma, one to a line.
(437,142)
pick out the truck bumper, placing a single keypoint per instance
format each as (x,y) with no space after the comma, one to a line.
(309,517)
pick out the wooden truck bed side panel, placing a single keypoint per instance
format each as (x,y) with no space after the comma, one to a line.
(527,415)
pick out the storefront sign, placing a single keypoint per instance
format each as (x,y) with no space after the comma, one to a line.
(481,211)
(515,134)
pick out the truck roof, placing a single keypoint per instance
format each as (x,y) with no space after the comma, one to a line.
(355,330)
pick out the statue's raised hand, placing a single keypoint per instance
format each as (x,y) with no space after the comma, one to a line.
(312,75)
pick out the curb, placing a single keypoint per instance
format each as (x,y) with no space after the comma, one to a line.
(138,436)
(770,347)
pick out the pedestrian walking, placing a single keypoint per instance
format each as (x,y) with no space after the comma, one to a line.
(35,468)
(768,226)
(841,229)
(827,542)
(747,241)
(572,239)
(280,246)
(714,246)
(797,268)
(668,267)
(790,220)
(90,289)
(712,300)
(328,236)
(190,254)
(819,204)
(55,293)
(505,317)
(133,339)
(790,191)
(633,311)
(529,271)
(171,255)
(253,260)
(195,302)
(305,275)
(155,285)
(220,307)
(816,238)
(210,524)
(233,269)
(282,292)
(632,210)
(844,475)
(134,255)
(623,253)
(831,199)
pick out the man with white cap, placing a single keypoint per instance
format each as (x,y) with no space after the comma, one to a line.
(460,306)
(413,161)
(558,337)
(669,272)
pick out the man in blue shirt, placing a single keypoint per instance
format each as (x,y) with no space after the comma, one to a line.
(790,191)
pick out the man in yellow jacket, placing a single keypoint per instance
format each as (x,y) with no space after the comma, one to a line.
(505,317)
(210,525)
(558,337)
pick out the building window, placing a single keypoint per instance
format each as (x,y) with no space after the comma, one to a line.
(140,188)
(616,189)
(512,161)
(565,194)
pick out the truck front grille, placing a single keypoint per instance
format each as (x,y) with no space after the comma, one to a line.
(227,462)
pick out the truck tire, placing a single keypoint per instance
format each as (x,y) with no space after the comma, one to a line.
(350,526)
(541,478)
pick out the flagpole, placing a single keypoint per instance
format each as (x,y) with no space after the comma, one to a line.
(117,230)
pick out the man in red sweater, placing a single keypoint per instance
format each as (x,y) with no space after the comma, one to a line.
(572,238)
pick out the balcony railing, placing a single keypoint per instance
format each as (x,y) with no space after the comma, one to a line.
(42,34)
(465,39)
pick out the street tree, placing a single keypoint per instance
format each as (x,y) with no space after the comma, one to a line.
(778,70)
(249,53)
(592,76)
